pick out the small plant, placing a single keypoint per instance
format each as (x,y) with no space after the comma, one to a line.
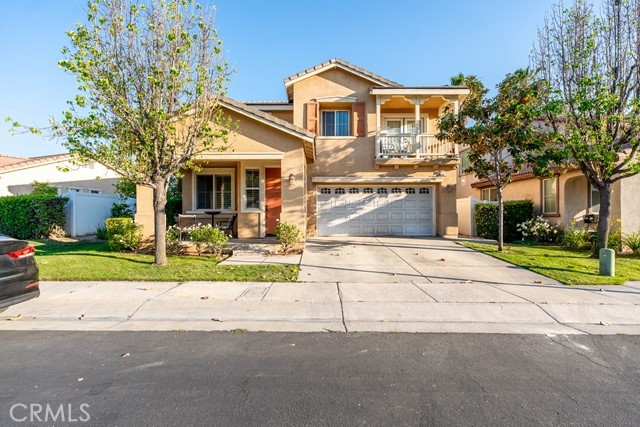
(208,238)
(288,235)
(576,237)
(56,232)
(538,230)
(615,240)
(123,233)
(632,241)
(174,240)
(101,233)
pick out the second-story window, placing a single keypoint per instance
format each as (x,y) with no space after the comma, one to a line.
(335,123)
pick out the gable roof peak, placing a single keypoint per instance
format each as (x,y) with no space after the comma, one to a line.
(337,63)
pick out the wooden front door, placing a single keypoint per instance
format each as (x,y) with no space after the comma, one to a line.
(273,198)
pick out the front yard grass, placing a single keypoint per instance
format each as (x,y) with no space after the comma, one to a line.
(568,266)
(94,261)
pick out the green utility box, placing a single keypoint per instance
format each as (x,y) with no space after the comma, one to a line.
(607,262)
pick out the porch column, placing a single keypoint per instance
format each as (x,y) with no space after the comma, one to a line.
(456,106)
(416,103)
(378,102)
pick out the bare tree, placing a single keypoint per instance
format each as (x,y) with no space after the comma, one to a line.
(590,59)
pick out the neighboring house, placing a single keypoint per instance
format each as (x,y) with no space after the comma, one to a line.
(59,171)
(563,199)
(350,153)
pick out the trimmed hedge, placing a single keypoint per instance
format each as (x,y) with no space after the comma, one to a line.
(31,216)
(515,212)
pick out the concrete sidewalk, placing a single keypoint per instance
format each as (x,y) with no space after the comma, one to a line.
(330,306)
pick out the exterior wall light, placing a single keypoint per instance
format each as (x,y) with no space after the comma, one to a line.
(292,179)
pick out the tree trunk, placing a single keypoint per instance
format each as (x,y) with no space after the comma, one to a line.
(604,219)
(500,219)
(160,221)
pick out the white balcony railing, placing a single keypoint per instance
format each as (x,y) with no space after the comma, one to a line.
(411,145)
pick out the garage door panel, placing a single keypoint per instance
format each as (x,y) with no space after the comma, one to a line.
(379,211)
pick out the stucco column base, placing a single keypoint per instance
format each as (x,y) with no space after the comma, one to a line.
(147,224)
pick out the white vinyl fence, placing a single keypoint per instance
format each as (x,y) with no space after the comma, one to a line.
(466,209)
(87,211)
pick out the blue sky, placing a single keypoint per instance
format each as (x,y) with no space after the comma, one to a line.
(414,42)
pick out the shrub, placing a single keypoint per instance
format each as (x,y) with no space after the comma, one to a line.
(121,210)
(31,216)
(43,189)
(101,233)
(515,212)
(538,230)
(174,240)
(632,241)
(206,237)
(123,233)
(288,235)
(576,238)
(615,240)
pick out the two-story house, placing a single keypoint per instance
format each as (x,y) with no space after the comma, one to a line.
(349,153)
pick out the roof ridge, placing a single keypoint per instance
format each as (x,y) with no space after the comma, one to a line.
(34,161)
(346,64)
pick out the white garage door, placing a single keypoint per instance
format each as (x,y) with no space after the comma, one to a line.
(375,211)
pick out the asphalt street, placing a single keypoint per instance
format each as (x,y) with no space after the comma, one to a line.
(318,379)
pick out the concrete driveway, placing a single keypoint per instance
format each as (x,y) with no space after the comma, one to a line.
(398,259)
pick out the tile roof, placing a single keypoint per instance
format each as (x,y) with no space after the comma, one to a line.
(283,125)
(8,160)
(275,121)
(32,161)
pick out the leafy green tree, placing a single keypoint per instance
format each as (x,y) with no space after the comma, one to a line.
(43,189)
(149,75)
(590,59)
(499,130)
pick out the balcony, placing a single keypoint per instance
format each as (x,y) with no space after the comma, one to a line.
(413,146)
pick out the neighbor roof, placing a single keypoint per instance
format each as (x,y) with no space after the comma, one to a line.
(33,161)
(337,63)
(8,160)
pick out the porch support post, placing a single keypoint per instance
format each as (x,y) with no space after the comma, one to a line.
(416,102)
(378,102)
(456,106)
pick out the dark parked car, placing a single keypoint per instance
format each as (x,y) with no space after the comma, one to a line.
(18,272)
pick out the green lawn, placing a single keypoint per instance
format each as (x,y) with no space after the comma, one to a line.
(94,261)
(567,266)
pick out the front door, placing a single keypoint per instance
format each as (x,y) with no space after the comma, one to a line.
(273,196)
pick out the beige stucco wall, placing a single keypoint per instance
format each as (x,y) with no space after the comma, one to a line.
(355,156)
(251,137)
(630,204)
(87,176)
(573,196)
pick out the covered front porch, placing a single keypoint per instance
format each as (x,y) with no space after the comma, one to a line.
(250,187)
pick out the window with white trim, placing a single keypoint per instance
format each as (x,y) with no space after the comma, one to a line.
(489,194)
(252,188)
(335,123)
(214,191)
(550,196)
